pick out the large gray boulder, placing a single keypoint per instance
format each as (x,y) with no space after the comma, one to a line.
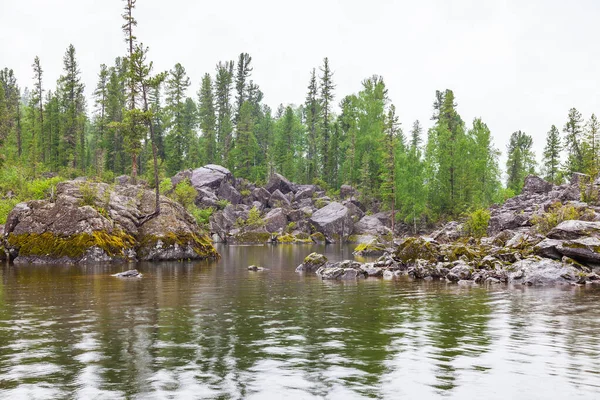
(334,221)
(547,248)
(585,249)
(279,182)
(574,229)
(535,184)
(228,192)
(347,191)
(210,176)
(261,195)
(305,192)
(278,199)
(542,271)
(275,220)
(371,225)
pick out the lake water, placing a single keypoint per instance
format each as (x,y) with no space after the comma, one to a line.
(214,330)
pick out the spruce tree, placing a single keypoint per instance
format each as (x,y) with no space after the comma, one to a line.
(223,82)
(520,162)
(311,116)
(37,100)
(388,175)
(101,99)
(551,154)
(592,132)
(208,119)
(326,103)
(573,131)
(410,180)
(178,140)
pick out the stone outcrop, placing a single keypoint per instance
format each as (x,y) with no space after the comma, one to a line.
(96,222)
(334,221)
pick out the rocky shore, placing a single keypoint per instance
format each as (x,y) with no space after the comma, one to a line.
(86,222)
(546,236)
(288,212)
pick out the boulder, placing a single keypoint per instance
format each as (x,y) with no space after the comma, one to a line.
(547,248)
(356,212)
(206,198)
(371,225)
(305,192)
(123,180)
(312,262)
(373,248)
(535,184)
(181,176)
(278,199)
(132,273)
(228,192)
(275,220)
(450,232)
(334,221)
(412,249)
(506,220)
(585,249)
(279,182)
(542,271)
(574,229)
(338,273)
(261,195)
(210,176)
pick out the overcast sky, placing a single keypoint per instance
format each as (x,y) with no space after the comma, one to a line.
(518,64)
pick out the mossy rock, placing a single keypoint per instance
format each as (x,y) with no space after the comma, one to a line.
(176,246)
(252,237)
(318,238)
(458,251)
(287,238)
(372,248)
(415,248)
(47,246)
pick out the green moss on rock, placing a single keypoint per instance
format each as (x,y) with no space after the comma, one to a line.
(201,244)
(50,245)
(252,237)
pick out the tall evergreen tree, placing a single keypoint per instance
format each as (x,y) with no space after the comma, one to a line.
(223,83)
(326,102)
(37,100)
(311,117)
(551,159)
(411,185)
(208,119)
(178,140)
(591,149)
(245,151)
(573,131)
(520,162)
(388,176)
(244,70)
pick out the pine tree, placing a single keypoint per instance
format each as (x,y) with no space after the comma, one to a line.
(410,180)
(325,100)
(244,70)
(246,148)
(520,162)
(311,116)
(4,122)
(101,99)
(388,175)
(208,119)
(178,140)
(482,174)
(573,131)
(591,150)
(71,92)
(551,159)
(37,100)
(223,84)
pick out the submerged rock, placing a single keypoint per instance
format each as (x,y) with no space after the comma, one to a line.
(132,273)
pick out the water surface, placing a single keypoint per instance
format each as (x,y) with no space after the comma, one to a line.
(214,330)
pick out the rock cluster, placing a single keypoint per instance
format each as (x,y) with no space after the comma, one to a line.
(96,222)
(290,212)
(531,241)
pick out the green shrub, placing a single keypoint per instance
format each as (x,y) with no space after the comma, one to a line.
(6,206)
(165,186)
(320,203)
(184,193)
(88,193)
(254,218)
(245,192)
(290,227)
(555,215)
(477,223)
(223,203)
(201,215)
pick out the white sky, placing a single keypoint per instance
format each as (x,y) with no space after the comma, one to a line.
(516,64)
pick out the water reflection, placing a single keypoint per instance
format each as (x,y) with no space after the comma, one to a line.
(216,330)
